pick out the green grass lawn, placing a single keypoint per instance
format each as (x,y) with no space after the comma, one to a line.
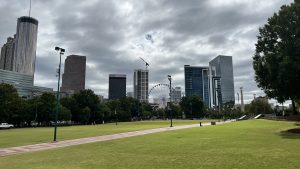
(253,144)
(25,136)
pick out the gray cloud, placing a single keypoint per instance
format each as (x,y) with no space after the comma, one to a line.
(111,33)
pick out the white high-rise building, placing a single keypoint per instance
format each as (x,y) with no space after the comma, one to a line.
(25,45)
(176,95)
(141,84)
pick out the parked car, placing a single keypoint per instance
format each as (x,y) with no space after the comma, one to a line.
(6,126)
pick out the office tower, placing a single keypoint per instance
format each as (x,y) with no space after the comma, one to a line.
(140,84)
(117,86)
(176,95)
(73,78)
(222,84)
(197,82)
(25,45)
(7,54)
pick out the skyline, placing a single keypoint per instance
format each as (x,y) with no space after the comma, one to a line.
(112,35)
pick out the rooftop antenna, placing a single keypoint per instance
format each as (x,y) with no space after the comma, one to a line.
(147,64)
(29,7)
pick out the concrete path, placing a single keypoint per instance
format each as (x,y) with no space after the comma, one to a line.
(66,143)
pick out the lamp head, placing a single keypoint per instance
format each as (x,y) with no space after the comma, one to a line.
(62,50)
(57,48)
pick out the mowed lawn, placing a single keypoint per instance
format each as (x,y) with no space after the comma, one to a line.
(253,144)
(25,136)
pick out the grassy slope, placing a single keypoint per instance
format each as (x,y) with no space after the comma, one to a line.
(18,137)
(247,145)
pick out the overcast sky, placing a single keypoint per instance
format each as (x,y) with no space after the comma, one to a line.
(111,34)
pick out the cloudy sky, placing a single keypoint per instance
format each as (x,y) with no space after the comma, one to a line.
(111,33)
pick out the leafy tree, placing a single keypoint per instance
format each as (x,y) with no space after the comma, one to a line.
(192,106)
(64,114)
(259,106)
(277,56)
(8,101)
(104,112)
(71,104)
(21,113)
(46,107)
(84,115)
(176,110)
(87,98)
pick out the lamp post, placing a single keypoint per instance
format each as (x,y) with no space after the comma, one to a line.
(170,79)
(61,52)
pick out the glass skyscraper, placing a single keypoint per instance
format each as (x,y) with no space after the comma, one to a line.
(222,84)
(117,86)
(197,82)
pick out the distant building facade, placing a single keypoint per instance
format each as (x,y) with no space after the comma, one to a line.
(222,83)
(7,54)
(117,86)
(23,83)
(176,95)
(141,84)
(25,45)
(73,78)
(130,94)
(197,82)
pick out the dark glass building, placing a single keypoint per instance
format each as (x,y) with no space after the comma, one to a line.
(222,80)
(117,86)
(197,82)
(73,78)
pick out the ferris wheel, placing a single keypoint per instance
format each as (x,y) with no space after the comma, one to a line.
(160,95)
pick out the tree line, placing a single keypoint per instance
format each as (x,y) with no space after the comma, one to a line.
(85,107)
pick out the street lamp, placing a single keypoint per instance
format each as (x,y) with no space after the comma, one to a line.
(170,79)
(61,52)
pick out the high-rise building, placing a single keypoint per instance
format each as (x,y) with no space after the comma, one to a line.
(197,82)
(117,86)
(7,54)
(73,78)
(141,84)
(25,45)
(222,74)
(176,95)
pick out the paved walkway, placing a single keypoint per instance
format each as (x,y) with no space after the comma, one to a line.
(66,143)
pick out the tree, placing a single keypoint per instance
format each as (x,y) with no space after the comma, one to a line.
(71,104)
(9,99)
(64,114)
(176,110)
(259,106)
(277,56)
(87,98)
(192,106)
(84,115)
(46,107)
